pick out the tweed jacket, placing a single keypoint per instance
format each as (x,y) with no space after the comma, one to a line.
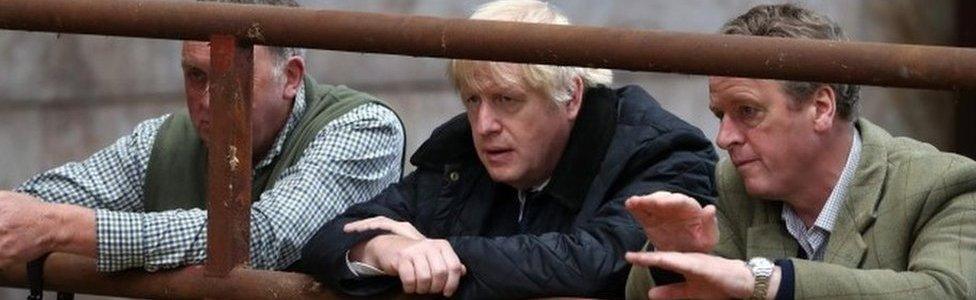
(907,229)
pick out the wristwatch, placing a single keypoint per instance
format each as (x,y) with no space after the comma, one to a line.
(762,270)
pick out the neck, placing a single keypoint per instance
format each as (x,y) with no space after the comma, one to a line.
(823,175)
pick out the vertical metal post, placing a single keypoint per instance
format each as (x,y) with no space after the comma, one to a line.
(229,160)
(965,106)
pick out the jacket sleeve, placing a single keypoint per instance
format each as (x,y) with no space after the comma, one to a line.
(324,256)
(942,264)
(588,260)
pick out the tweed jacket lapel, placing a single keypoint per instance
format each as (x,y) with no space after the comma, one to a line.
(846,245)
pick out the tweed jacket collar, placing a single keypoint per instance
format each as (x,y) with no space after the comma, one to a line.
(768,237)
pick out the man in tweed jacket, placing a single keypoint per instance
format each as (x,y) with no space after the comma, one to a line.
(843,208)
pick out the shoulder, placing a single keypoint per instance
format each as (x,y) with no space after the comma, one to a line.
(449,143)
(918,167)
(144,135)
(367,117)
(374,112)
(151,126)
(638,108)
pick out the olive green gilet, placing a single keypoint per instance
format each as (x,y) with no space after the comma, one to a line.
(177,173)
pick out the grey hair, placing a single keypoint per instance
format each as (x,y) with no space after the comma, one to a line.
(556,82)
(791,21)
(281,54)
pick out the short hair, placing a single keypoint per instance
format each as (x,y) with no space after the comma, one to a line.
(281,54)
(791,21)
(556,82)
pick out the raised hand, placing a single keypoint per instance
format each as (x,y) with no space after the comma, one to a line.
(675,222)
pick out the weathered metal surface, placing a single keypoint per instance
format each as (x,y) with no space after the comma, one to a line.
(637,50)
(71,273)
(965,106)
(229,161)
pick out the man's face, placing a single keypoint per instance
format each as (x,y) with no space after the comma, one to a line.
(519,133)
(770,138)
(270,103)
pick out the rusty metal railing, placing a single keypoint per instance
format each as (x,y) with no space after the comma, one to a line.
(637,50)
(66,272)
(233,29)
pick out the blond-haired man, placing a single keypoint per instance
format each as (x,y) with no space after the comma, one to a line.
(522,195)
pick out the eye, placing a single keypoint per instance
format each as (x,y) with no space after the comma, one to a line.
(195,74)
(748,111)
(749,115)
(471,101)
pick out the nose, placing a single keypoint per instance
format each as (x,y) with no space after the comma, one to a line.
(202,98)
(485,119)
(728,134)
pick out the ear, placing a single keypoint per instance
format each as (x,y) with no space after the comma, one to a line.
(824,108)
(573,106)
(294,73)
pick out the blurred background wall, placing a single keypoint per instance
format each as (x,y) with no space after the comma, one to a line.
(62,97)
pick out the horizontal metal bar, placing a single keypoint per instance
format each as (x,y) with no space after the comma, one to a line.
(637,50)
(71,273)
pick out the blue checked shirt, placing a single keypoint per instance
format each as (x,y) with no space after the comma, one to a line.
(351,160)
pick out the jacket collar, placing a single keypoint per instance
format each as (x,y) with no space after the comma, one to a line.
(452,144)
(847,246)
(768,237)
(586,148)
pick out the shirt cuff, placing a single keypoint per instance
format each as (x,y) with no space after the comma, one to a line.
(119,239)
(786,282)
(360,269)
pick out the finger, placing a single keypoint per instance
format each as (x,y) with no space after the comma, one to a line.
(380,223)
(684,263)
(710,221)
(407,230)
(638,258)
(454,271)
(407,276)
(642,202)
(676,203)
(358,225)
(640,209)
(422,271)
(438,270)
(688,264)
(672,291)
(661,204)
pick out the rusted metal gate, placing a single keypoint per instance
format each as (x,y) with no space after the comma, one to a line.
(234,29)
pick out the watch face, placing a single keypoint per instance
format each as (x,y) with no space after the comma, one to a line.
(761,264)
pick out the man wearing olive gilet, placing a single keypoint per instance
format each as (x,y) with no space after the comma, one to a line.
(337,147)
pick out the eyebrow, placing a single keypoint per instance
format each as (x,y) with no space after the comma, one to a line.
(715,110)
(186,65)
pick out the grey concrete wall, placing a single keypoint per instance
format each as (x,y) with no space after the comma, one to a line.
(63,97)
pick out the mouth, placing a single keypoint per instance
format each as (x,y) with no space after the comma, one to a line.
(204,127)
(498,155)
(742,162)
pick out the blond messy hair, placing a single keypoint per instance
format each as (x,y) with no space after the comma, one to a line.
(556,82)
